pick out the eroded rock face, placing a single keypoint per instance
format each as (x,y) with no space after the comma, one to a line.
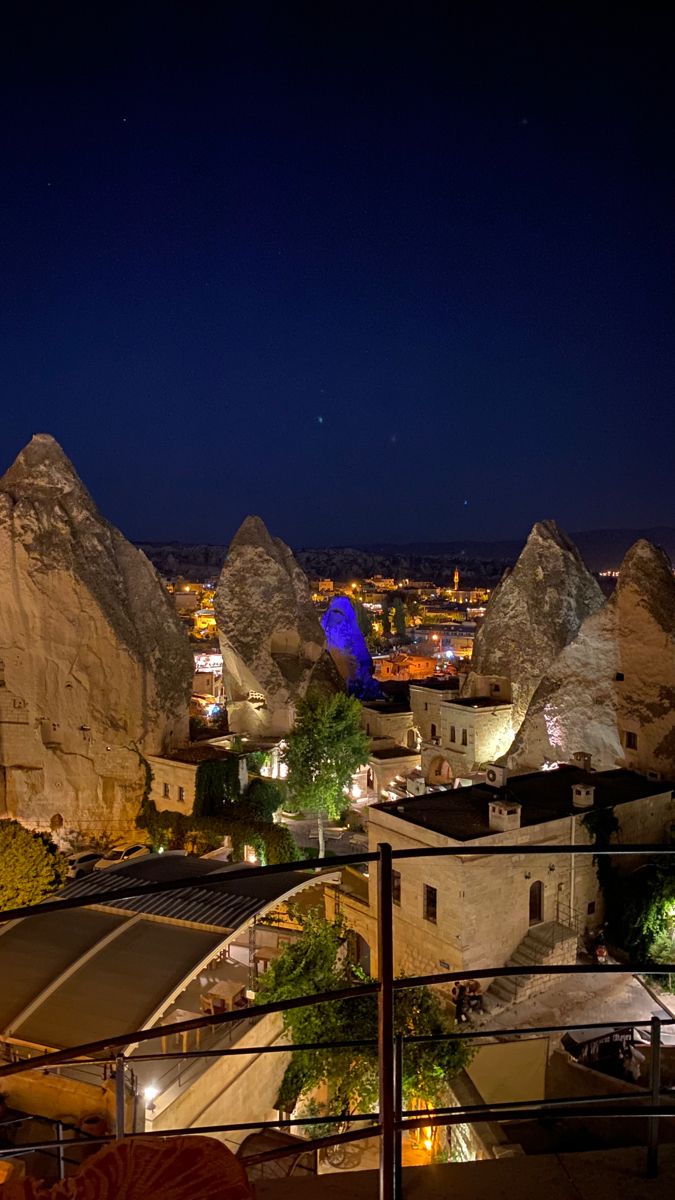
(536,609)
(347,647)
(611,691)
(91,648)
(272,643)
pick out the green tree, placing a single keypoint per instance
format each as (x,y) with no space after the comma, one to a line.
(319,961)
(399,618)
(323,750)
(31,866)
(363,618)
(262,798)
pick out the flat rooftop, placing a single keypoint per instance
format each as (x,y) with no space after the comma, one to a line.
(480,702)
(202,752)
(393,707)
(438,683)
(394,752)
(462,813)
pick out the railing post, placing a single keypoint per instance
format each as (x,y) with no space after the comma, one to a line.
(61,1150)
(385,1021)
(655,1090)
(398,1116)
(119,1096)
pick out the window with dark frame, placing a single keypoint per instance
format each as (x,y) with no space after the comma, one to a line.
(166,791)
(631,740)
(430,903)
(464,737)
(181,795)
(396,887)
(452,733)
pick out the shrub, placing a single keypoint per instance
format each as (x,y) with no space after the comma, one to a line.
(31,866)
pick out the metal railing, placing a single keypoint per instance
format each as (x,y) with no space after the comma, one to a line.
(391,1119)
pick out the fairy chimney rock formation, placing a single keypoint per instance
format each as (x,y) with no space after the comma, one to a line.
(611,691)
(273,646)
(95,665)
(535,610)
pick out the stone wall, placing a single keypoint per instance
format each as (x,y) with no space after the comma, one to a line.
(166,772)
(488,735)
(234,1088)
(378,723)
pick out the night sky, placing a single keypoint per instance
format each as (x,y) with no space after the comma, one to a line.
(374,271)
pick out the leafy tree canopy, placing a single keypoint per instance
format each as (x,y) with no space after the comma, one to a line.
(262,798)
(217,787)
(641,911)
(31,866)
(323,750)
(320,961)
(178,831)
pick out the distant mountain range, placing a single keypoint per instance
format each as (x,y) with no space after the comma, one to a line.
(602,549)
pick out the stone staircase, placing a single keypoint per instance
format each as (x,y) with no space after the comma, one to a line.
(548,944)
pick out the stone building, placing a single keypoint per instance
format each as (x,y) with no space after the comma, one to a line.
(459,734)
(466,913)
(475,730)
(426,697)
(389,719)
(174,776)
(388,761)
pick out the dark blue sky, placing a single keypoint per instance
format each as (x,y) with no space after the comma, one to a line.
(350,266)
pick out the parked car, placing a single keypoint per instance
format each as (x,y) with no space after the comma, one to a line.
(82,863)
(122,854)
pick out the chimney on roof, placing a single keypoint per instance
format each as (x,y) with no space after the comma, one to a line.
(503,815)
(583,795)
(582,759)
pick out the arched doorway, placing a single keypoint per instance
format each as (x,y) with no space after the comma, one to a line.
(360,951)
(536,902)
(438,771)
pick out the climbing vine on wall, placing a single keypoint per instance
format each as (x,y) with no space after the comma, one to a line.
(217,787)
(602,824)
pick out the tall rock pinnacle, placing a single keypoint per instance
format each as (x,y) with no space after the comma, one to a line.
(611,691)
(90,646)
(535,610)
(274,649)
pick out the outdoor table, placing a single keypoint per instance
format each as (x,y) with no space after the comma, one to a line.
(264,955)
(223,996)
(174,1018)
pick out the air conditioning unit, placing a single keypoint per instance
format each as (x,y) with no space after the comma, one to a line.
(496,776)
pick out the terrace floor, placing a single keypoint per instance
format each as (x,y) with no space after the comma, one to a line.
(604,1175)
